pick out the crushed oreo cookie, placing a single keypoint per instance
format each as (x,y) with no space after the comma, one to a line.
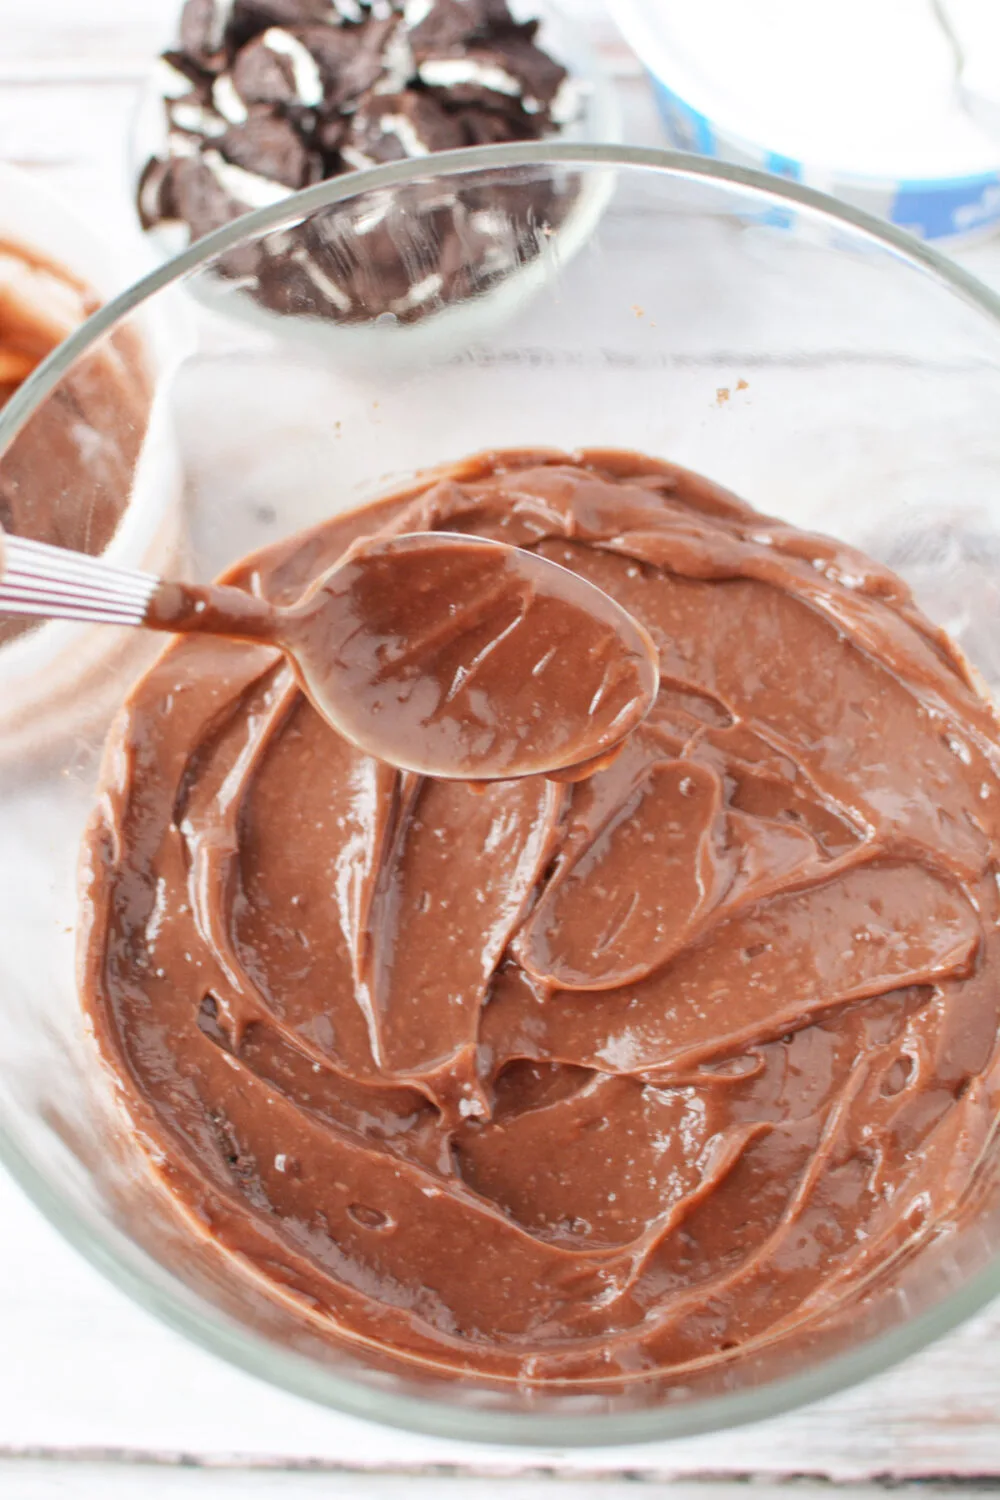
(264,97)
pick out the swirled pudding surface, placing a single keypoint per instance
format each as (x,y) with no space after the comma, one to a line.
(559,1081)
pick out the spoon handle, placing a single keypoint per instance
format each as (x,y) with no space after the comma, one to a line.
(214,609)
(55,583)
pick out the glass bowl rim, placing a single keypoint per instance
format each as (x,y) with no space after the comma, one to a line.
(222,1335)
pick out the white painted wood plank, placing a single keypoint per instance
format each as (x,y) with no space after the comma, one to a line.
(74,137)
(84,1481)
(50,32)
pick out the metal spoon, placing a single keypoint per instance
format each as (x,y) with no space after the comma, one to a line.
(444,654)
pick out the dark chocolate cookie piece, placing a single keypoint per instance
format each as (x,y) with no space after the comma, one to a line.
(193,115)
(250,17)
(177,74)
(271,147)
(204,25)
(389,127)
(328,136)
(508,69)
(198,197)
(244,186)
(298,279)
(155,198)
(205,203)
(398,268)
(538,74)
(490,127)
(276,68)
(458,23)
(379,36)
(346,67)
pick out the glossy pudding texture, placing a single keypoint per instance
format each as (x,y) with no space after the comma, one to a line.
(558,1081)
(445,654)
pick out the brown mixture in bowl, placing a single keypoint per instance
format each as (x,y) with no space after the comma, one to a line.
(568,1082)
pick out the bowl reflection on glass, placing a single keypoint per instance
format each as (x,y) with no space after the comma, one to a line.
(828,369)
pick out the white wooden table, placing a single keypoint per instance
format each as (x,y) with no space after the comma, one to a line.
(96,1398)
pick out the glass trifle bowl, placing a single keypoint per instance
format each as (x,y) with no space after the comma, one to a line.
(829,369)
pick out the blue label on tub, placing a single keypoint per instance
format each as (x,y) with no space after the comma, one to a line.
(783,166)
(688,130)
(791,171)
(936,210)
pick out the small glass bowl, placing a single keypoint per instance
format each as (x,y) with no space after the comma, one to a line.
(42,670)
(824,365)
(598,120)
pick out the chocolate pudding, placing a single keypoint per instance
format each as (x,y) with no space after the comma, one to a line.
(556,1081)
